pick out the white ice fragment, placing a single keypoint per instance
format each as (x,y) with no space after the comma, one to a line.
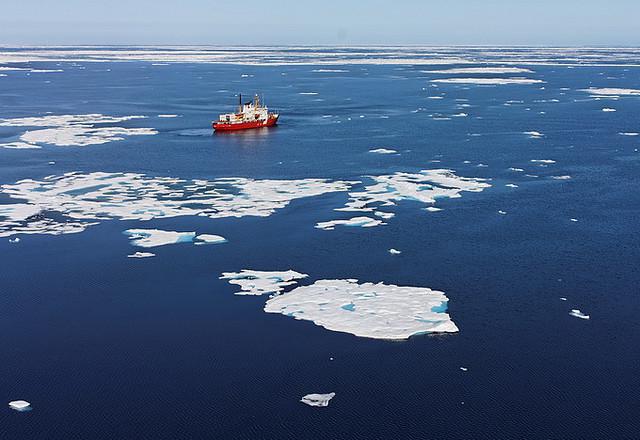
(167,116)
(393,251)
(383,151)
(609,91)
(464,369)
(574,220)
(562,298)
(629,133)
(308,93)
(502,212)
(256,282)
(608,109)
(432,209)
(319,400)
(384,215)
(517,170)
(578,314)
(543,161)
(369,310)
(561,177)
(20,405)
(534,134)
(209,239)
(14,240)
(364,222)
(484,70)
(488,81)
(511,185)
(141,255)
(155,237)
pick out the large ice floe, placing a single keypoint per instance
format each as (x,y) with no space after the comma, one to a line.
(368,310)
(257,282)
(84,199)
(485,70)
(488,81)
(380,311)
(156,237)
(72,130)
(425,187)
(611,92)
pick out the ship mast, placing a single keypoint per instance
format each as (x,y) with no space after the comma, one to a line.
(240,103)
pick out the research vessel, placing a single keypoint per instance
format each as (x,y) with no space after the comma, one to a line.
(252,114)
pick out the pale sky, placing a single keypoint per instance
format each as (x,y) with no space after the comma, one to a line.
(481,22)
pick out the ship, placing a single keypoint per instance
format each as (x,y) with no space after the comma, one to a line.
(252,114)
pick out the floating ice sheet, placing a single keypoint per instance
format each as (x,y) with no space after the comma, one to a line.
(578,314)
(488,81)
(156,237)
(20,405)
(369,310)
(426,187)
(318,400)
(611,92)
(72,130)
(256,282)
(86,198)
(383,151)
(363,222)
(141,255)
(483,70)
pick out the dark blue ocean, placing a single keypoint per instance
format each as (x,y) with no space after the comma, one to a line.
(110,347)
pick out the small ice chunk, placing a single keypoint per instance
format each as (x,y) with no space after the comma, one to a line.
(14,240)
(384,215)
(209,239)
(383,151)
(167,116)
(502,212)
(578,314)
(364,222)
(156,237)
(561,177)
(20,405)
(517,170)
(256,282)
(628,133)
(141,255)
(393,251)
(562,298)
(511,185)
(574,219)
(534,134)
(608,110)
(464,369)
(319,400)
(432,209)
(545,161)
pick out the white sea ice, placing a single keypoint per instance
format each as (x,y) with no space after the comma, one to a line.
(364,222)
(129,196)
(318,400)
(19,146)
(393,251)
(156,237)
(608,110)
(74,130)
(209,239)
(426,187)
(488,81)
(578,314)
(384,215)
(20,405)
(561,177)
(167,116)
(256,282)
(611,92)
(502,212)
(369,310)
(464,369)
(517,170)
(432,209)
(543,161)
(473,70)
(629,134)
(14,240)
(534,134)
(141,255)
(383,151)
(511,185)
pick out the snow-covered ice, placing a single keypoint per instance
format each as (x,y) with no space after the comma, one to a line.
(383,151)
(578,314)
(209,239)
(19,405)
(256,282)
(543,161)
(141,255)
(74,130)
(319,400)
(608,109)
(534,134)
(364,222)
(488,81)
(393,251)
(611,92)
(483,70)
(369,310)
(156,237)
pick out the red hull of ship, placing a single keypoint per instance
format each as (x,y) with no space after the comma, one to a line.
(227,126)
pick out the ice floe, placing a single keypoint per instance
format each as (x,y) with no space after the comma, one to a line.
(168,116)
(73,130)
(534,134)
(393,251)
(608,110)
(488,81)
(318,400)
(561,177)
(426,187)
(209,239)
(578,314)
(517,170)
(142,255)
(364,222)
(511,185)
(369,310)
(484,70)
(543,161)
(19,146)
(256,282)
(86,198)
(20,405)
(627,133)
(156,237)
(383,151)
(611,92)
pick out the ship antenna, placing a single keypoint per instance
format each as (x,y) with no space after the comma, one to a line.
(239,102)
